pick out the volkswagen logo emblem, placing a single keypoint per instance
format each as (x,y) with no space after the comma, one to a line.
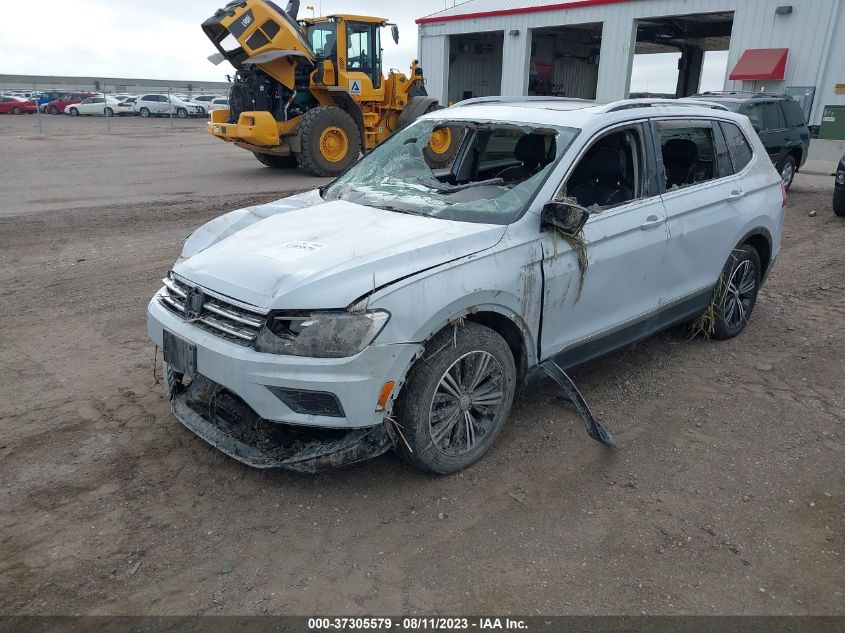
(194,301)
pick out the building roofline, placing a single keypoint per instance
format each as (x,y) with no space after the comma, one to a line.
(434,18)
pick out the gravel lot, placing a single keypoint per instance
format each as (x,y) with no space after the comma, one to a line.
(726,495)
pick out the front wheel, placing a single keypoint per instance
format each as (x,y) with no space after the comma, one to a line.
(331,142)
(182,113)
(456,399)
(736,292)
(74,112)
(109,112)
(277,162)
(787,171)
(145,112)
(443,145)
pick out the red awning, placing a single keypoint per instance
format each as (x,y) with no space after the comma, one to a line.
(761,63)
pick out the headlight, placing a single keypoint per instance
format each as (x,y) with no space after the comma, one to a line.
(324,334)
(840,178)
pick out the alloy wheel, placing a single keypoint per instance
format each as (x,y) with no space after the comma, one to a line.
(787,173)
(466,403)
(740,295)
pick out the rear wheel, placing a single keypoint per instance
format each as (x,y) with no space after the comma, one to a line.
(277,162)
(736,292)
(182,113)
(16,111)
(331,142)
(787,171)
(109,112)
(54,110)
(456,399)
(443,145)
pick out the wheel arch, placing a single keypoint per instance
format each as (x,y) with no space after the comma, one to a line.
(760,239)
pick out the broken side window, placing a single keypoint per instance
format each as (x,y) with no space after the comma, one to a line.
(688,152)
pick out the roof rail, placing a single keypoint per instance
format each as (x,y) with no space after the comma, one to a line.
(628,104)
(740,93)
(523,99)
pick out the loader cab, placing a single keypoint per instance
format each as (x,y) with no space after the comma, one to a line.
(352,44)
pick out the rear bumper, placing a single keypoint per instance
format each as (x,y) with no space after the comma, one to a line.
(254,128)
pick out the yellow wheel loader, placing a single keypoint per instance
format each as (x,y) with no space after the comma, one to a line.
(310,92)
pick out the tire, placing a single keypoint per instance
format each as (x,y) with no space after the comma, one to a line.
(787,170)
(109,112)
(16,111)
(839,201)
(277,162)
(331,142)
(736,292)
(443,145)
(145,112)
(182,113)
(54,110)
(443,446)
(74,112)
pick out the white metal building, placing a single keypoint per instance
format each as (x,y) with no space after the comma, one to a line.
(585,48)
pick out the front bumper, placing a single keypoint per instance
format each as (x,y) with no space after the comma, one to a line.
(227,423)
(356,381)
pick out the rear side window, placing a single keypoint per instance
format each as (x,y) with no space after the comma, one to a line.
(738,147)
(688,152)
(773,116)
(794,113)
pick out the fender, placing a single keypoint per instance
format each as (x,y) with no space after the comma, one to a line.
(414,110)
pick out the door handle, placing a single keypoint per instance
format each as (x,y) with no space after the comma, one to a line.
(651,222)
(736,194)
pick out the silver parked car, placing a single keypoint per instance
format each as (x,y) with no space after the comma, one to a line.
(402,306)
(161,105)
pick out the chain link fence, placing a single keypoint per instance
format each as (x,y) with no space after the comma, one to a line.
(112,108)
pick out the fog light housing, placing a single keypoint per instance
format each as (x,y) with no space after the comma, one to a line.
(307,402)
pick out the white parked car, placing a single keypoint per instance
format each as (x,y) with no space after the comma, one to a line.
(126,105)
(97,106)
(204,101)
(159,105)
(219,103)
(401,306)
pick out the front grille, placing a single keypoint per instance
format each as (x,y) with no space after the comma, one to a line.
(223,317)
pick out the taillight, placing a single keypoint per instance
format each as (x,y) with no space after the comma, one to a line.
(784,195)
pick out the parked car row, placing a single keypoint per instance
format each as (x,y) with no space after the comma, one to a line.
(98,104)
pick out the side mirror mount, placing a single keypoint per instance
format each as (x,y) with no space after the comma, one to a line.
(394,31)
(566,217)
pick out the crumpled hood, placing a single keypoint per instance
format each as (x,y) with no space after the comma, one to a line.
(329,255)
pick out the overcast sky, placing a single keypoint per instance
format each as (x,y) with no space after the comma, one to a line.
(162,39)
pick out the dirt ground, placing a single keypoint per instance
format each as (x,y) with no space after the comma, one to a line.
(725,496)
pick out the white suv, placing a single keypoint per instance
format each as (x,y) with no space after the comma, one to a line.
(162,105)
(401,306)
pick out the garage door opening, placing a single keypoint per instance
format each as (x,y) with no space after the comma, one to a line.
(475,65)
(565,61)
(674,55)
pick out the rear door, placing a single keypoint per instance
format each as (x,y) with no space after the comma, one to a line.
(768,117)
(702,197)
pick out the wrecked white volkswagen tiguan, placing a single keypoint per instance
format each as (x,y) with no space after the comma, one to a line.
(402,306)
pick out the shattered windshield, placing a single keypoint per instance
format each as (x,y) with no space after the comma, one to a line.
(470,171)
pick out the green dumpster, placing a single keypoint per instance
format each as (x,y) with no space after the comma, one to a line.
(833,123)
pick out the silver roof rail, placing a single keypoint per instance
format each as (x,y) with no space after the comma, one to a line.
(524,99)
(628,104)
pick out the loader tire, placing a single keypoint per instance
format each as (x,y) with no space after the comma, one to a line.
(277,162)
(331,142)
(443,145)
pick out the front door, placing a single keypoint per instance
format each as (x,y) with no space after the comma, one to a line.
(625,240)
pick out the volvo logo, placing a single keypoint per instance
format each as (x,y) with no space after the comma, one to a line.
(194,301)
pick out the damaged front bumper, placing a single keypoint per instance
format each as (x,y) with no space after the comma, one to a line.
(226,422)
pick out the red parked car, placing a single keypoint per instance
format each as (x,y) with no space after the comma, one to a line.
(58,106)
(16,105)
